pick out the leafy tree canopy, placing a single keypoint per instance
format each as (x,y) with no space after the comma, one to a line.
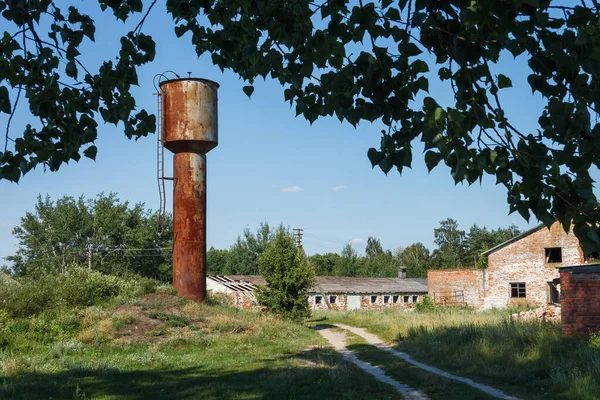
(324,264)
(357,61)
(244,253)
(416,259)
(102,234)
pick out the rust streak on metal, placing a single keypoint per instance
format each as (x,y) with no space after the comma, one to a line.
(190,130)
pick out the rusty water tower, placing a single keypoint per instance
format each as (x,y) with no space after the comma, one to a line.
(189,128)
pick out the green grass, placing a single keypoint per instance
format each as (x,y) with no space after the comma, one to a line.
(434,386)
(527,359)
(114,352)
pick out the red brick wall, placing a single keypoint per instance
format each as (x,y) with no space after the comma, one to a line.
(580,300)
(380,304)
(470,281)
(524,261)
(340,302)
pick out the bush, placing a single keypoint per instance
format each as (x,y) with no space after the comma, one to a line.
(78,287)
(427,305)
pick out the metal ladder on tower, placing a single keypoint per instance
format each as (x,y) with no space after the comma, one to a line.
(160,169)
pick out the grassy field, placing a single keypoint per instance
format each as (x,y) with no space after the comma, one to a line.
(161,346)
(526,359)
(84,335)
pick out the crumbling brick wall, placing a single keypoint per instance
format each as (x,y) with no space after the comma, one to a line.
(580,300)
(525,261)
(365,301)
(404,301)
(446,286)
(340,302)
(244,300)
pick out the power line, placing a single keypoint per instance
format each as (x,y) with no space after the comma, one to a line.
(324,239)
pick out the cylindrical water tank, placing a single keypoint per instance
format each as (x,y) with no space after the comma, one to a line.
(190,130)
(190,118)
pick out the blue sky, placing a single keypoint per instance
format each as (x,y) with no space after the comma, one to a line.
(270,165)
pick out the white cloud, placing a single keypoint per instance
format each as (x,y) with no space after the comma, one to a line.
(5,226)
(357,241)
(292,189)
(338,188)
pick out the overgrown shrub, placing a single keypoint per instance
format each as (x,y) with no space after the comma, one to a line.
(426,305)
(78,287)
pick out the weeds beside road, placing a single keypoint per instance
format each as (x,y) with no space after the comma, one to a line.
(530,360)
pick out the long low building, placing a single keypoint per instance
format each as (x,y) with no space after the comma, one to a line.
(331,292)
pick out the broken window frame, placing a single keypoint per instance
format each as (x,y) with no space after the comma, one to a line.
(553,255)
(518,288)
(386,299)
(395,299)
(553,293)
(318,299)
(406,299)
(415,299)
(332,299)
(373,299)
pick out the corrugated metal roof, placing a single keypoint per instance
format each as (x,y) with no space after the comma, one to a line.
(335,284)
(234,284)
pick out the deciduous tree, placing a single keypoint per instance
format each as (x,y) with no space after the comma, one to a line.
(102,233)
(360,62)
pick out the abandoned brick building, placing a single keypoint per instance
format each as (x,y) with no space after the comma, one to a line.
(331,292)
(522,269)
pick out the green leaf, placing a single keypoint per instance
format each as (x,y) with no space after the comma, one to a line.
(71,69)
(4,100)
(375,156)
(386,164)
(393,14)
(432,159)
(423,83)
(419,66)
(439,114)
(91,152)
(248,90)
(504,81)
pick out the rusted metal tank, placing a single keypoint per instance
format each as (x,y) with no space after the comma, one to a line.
(190,130)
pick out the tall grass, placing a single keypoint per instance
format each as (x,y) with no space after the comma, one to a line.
(530,358)
(163,346)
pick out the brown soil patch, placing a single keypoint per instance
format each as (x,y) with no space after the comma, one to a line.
(136,331)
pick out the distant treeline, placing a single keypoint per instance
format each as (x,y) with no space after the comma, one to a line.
(455,248)
(110,236)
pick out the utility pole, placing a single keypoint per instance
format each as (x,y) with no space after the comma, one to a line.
(298,236)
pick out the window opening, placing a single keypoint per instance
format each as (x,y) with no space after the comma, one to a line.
(373,299)
(318,299)
(406,299)
(553,295)
(517,290)
(553,255)
(395,299)
(332,299)
(386,299)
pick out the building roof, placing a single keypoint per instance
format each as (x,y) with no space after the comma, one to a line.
(581,269)
(513,239)
(237,285)
(334,284)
